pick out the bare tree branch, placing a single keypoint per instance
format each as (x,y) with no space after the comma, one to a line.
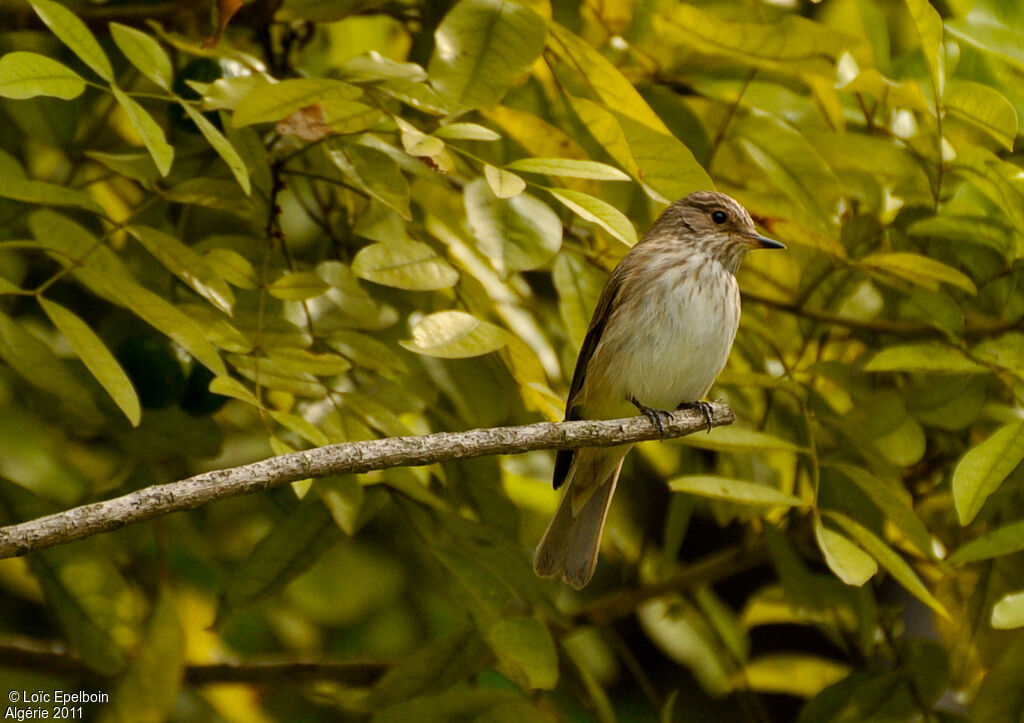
(348,458)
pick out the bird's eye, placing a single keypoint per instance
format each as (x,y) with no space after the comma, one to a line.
(719,217)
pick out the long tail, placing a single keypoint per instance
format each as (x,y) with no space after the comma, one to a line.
(570,545)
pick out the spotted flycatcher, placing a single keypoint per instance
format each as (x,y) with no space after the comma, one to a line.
(660,335)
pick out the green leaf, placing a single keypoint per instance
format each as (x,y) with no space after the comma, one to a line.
(1008,612)
(73,32)
(436,666)
(850,563)
(150,687)
(795,44)
(993,177)
(894,504)
(928,24)
(739,439)
(613,89)
(297,286)
(984,107)
(136,166)
(31,359)
(1000,696)
(665,168)
(96,357)
(517,234)
(410,265)
(502,182)
(923,357)
(568,167)
(186,264)
(970,229)
(367,352)
(919,270)
(144,52)
(526,653)
(579,284)
(454,335)
(794,674)
(308,362)
(151,133)
(1004,540)
(26,75)
(733,490)
(480,48)
(888,559)
(104,273)
(792,164)
(597,211)
(93,603)
(467,132)
(273,102)
(980,472)
(232,267)
(289,549)
(376,173)
(221,145)
(48,194)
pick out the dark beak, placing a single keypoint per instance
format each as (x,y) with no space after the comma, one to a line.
(763,242)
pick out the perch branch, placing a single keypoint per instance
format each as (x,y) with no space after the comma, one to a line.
(347,458)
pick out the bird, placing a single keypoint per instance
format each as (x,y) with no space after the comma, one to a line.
(661,333)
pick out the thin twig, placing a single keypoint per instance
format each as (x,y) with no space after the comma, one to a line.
(347,458)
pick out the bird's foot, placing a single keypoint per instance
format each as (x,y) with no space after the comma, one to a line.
(657,416)
(704,407)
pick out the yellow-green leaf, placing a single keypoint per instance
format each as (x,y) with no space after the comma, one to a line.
(924,357)
(26,75)
(232,267)
(928,24)
(1008,612)
(733,490)
(850,563)
(980,472)
(34,362)
(408,265)
(151,133)
(297,286)
(919,270)
(504,183)
(96,357)
(984,107)
(376,173)
(568,167)
(47,194)
(889,559)
(517,234)
(739,439)
(1004,540)
(149,688)
(272,102)
(597,211)
(467,132)
(525,651)
(74,33)
(611,86)
(454,335)
(144,52)
(221,145)
(480,48)
(186,264)
(798,675)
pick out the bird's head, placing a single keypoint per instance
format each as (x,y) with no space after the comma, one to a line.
(717,224)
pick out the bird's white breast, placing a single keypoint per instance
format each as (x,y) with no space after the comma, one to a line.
(671,339)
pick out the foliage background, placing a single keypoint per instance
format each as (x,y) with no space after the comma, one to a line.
(201,267)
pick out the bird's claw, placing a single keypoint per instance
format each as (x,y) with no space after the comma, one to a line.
(657,416)
(704,407)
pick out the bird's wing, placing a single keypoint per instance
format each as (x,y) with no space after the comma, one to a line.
(605,305)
